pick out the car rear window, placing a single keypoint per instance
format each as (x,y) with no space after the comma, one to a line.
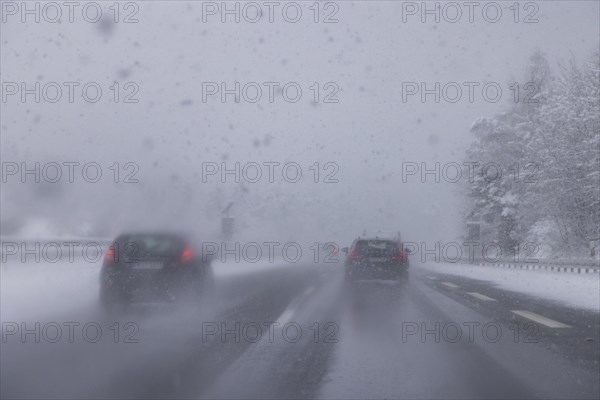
(149,246)
(376,246)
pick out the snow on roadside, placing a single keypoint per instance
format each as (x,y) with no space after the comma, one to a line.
(577,290)
(37,290)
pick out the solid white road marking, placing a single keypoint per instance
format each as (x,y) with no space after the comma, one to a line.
(450,285)
(480,296)
(550,323)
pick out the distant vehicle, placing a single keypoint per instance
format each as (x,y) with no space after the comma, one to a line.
(164,266)
(376,258)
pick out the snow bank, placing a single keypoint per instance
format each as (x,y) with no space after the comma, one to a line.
(576,290)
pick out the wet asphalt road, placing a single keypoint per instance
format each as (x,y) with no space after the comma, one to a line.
(299,332)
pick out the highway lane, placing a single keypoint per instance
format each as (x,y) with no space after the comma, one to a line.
(144,358)
(297,331)
(571,331)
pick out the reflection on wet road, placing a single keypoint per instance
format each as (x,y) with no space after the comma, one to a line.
(301,332)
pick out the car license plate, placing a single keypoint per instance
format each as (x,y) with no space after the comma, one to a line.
(378,259)
(149,265)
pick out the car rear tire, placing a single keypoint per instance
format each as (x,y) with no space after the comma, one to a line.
(403,276)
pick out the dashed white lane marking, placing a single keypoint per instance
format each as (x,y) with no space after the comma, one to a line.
(550,323)
(287,314)
(450,285)
(308,291)
(480,296)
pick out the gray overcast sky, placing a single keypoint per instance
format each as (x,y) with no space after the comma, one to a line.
(369,53)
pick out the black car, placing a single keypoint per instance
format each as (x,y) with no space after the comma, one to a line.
(153,266)
(376,258)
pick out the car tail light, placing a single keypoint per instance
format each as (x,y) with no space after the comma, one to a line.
(186,255)
(109,257)
(401,254)
(353,255)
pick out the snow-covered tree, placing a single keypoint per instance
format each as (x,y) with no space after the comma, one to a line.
(547,145)
(569,140)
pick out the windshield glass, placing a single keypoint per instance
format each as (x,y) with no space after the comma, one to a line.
(309,199)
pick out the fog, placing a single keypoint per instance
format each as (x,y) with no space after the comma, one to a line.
(170,132)
(307,123)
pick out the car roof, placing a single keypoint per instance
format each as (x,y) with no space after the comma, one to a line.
(172,234)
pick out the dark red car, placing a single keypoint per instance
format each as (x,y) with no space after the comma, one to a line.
(376,258)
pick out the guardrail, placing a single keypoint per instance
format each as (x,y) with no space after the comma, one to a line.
(577,266)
